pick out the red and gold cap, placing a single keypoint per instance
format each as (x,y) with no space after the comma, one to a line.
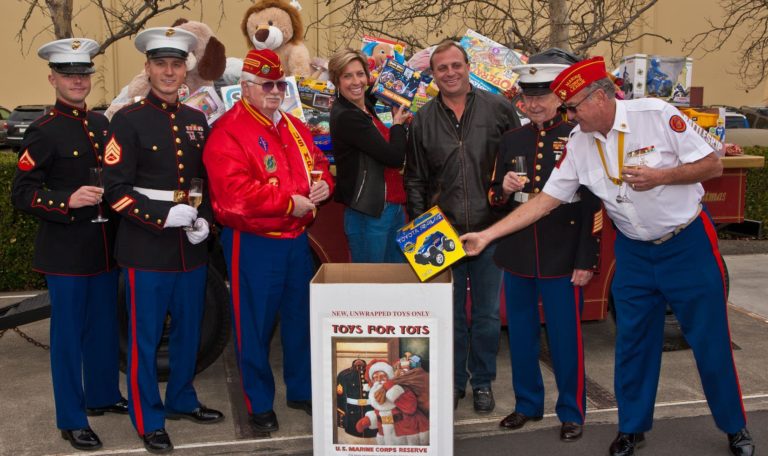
(577,76)
(263,63)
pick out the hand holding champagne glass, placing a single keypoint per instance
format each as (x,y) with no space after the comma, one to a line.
(194,197)
(95,179)
(520,167)
(316,175)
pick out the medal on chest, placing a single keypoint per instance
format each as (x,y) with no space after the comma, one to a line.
(263,143)
(270,164)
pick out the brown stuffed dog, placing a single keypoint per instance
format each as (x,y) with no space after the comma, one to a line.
(205,63)
(277,25)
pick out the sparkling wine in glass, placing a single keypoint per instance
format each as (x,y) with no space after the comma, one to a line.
(520,168)
(194,197)
(631,162)
(316,175)
(95,179)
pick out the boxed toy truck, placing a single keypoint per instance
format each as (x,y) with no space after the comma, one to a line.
(430,243)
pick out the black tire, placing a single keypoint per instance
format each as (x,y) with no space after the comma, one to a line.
(450,246)
(438,259)
(612,306)
(214,331)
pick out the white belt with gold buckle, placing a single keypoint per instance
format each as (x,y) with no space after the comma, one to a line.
(173,196)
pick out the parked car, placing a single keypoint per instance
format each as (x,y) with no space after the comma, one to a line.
(756,115)
(20,119)
(4,114)
(735,119)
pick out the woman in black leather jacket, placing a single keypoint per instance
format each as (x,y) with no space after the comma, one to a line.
(368,161)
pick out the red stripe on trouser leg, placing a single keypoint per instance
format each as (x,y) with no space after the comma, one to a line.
(134,367)
(580,345)
(709,228)
(235,288)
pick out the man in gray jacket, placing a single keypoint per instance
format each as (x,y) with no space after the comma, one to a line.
(453,143)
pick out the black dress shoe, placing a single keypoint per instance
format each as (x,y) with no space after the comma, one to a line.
(158,442)
(570,431)
(120,407)
(301,405)
(483,399)
(458,394)
(741,443)
(625,444)
(264,422)
(516,420)
(82,439)
(200,415)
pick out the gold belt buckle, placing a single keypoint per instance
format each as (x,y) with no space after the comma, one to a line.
(388,419)
(180,196)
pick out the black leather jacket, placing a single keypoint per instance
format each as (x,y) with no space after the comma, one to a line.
(452,168)
(361,155)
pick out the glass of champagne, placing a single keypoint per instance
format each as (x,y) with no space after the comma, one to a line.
(631,162)
(95,179)
(316,175)
(194,197)
(520,167)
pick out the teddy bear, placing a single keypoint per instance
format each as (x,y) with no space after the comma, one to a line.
(277,25)
(205,63)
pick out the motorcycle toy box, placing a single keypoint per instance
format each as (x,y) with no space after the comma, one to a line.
(430,243)
(668,78)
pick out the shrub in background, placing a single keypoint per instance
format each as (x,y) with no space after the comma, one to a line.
(17,236)
(756,201)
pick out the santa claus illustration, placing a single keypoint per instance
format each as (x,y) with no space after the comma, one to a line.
(395,415)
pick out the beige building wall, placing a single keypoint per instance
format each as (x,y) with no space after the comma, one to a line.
(23,77)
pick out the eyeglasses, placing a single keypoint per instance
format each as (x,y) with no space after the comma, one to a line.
(268,86)
(574,108)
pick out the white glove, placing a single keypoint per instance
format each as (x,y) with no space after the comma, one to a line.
(200,232)
(180,215)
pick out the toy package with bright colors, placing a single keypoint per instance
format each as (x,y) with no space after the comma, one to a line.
(396,84)
(430,243)
(206,99)
(378,50)
(668,78)
(316,94)
(709,124)
(426,91)
(490,61)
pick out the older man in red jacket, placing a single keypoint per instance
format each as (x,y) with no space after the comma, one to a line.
(260,163)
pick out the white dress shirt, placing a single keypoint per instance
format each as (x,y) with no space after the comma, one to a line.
(645,123)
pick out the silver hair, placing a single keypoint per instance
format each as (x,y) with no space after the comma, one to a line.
(606,85)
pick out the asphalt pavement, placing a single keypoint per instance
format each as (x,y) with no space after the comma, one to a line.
(683,425)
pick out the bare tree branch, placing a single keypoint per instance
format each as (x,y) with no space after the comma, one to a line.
(528,25)
(743,21)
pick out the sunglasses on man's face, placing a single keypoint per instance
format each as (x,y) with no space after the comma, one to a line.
(574,108)
(268,86)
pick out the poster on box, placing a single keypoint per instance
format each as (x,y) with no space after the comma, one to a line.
(316,94)
(378,50)
(490,61)
(397,84)
(430,243)
(206,99)
(382,361)
(230,95)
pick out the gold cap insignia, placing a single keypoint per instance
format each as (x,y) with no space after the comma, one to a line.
(562,94)
(532,71)
(170,32)
(75,45)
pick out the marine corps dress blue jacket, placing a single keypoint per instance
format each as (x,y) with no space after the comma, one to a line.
(158,146)
(57,151)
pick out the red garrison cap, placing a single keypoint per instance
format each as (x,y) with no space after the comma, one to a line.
(577,76)
(263,63)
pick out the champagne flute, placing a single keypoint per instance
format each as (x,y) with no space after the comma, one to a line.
(194,197)
(632,161)
(520,168)
(95,179)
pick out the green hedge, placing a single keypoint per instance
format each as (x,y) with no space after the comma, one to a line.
(756,204)
(17,230)
(17,236)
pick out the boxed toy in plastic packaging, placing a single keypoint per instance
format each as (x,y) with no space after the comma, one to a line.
(430,243)
(668,78)
(397,84)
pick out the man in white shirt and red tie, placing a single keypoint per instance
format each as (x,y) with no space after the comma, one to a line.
(666,245)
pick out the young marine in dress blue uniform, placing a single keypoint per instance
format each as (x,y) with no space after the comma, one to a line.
(666,245)
(551,259)
(52,184)
(155,148)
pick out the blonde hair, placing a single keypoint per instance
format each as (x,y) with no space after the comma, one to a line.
(341,59)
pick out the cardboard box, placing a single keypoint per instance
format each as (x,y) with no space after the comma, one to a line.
(364,314)
(430,243)
(668,78)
